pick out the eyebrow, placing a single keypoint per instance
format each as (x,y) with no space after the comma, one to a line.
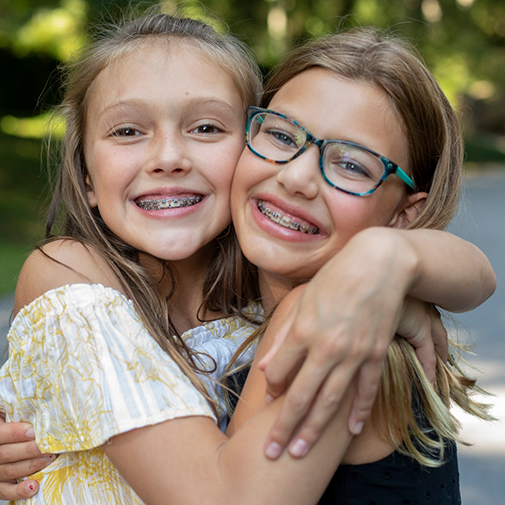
(199,101)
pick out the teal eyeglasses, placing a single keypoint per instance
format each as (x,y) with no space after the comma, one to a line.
(346,166)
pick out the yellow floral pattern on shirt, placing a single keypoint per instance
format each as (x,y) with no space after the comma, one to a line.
(82,369)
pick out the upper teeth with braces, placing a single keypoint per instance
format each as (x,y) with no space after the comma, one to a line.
(276,217)
(165,203)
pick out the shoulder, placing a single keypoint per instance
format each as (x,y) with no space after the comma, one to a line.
(59,263)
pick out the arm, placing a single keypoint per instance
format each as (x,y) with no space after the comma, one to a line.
(19,456)
(191,461)
(59,263)
(349,313)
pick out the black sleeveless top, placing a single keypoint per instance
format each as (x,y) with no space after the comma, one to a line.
(393,480)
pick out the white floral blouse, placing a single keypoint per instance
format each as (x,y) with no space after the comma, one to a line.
(82,368)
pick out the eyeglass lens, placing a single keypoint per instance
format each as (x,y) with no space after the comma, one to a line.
(348,167)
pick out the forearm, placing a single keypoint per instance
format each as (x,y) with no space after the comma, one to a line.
(431,265)
(189,460)
(451,272)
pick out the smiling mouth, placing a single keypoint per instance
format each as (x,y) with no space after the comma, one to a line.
(167,203)
(285,221)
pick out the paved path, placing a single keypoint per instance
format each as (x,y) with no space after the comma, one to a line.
(482,221)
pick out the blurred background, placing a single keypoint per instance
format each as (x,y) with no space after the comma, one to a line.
(463,42)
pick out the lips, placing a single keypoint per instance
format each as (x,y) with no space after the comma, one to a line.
(161,202)
(286,220)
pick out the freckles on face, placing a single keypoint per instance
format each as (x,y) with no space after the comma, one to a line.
(329,108)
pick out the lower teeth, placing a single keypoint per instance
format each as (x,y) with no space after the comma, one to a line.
(164,203)
(285,221)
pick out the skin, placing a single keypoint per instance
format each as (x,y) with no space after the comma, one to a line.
(133,442)
(115,146)
(147,140)
(331,108)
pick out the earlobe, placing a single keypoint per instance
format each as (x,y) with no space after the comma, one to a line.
(90,192)
(411,208)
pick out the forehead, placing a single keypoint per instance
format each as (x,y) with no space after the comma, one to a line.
(163,69)
(331,107)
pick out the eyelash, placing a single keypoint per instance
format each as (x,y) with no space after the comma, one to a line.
(216,129)
(121,132)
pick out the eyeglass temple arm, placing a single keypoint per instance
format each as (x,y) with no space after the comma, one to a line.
(405,178)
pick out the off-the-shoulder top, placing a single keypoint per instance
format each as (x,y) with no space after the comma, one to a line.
(82,368)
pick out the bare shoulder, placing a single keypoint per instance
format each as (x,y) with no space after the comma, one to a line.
(60,263)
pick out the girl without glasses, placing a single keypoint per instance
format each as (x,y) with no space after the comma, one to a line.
(147,252)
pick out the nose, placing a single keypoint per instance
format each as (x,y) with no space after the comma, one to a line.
(301,176)
(169,154)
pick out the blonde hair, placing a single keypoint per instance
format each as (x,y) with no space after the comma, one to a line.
(431,126)
(436,158)
(229,284)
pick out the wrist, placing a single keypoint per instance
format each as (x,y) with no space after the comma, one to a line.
(392,251)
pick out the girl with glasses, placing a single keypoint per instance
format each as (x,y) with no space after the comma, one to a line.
(129,408)
(339,117)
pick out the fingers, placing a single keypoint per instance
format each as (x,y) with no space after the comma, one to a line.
(283,360)
(295,406)
(425,350)
(439,334)
(21,491)
(19,457)
(368,385)
(20,469)
(12,452)
(325,406)
(15,432)
(280,337)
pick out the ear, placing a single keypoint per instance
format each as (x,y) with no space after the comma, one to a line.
(90,192)
(411,207)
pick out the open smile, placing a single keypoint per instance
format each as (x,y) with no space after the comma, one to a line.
(167,203)
(286,221)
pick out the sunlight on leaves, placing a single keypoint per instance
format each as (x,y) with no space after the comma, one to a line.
(33,127)
(59,32)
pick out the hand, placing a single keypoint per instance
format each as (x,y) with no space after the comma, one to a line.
(341,327)
(19,457)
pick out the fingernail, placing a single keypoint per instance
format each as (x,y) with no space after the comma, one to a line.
(273,450)
(49,457)
(30,488)
(358,428)
(299,448)
(269,399)
(30,433)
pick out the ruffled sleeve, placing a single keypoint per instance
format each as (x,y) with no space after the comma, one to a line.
(83,368)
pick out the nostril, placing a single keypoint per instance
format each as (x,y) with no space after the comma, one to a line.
(177,170)
(158,170)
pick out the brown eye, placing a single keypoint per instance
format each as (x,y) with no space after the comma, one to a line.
(207,129)
(126,132)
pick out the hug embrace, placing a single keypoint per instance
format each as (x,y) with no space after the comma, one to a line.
(202,227)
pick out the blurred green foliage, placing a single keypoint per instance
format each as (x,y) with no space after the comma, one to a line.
(463,42)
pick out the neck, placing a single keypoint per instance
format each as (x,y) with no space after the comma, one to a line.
(188,295)
(273,289)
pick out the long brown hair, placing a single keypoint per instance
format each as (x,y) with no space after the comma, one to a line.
(229,284)
(436,159)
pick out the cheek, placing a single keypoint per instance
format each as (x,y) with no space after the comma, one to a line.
(224,165)
(351,214)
